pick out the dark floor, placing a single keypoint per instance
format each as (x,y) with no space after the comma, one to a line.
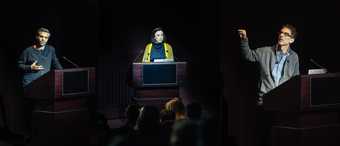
(54,129)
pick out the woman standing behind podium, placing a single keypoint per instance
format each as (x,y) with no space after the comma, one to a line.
(158,49)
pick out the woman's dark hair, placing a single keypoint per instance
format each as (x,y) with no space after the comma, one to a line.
(153,34)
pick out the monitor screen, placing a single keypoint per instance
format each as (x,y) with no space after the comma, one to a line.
(75,82)
(159,74)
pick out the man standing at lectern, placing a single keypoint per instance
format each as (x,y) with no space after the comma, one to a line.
(38,59)
(277,63)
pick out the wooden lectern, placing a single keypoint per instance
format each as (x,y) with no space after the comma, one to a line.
(61,114)
(154,83)
(62,89)
(306,108)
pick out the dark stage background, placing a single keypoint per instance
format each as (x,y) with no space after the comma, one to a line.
(110,36)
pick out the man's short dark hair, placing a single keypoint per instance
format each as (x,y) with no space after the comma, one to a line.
(292,29)
(42,29)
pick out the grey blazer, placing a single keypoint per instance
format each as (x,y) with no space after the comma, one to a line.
(266,58)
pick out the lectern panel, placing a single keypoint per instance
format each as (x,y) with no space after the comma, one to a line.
(63,84)
(159,74)
(325,91)
(165,74)
(75,82)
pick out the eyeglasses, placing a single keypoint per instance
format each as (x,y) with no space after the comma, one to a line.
(285,34)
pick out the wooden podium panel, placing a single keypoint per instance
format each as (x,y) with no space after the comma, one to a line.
(61,105)
(305,93)
(307,111)
(308,136)
(63,83)
(155,83)
(158,79)
(164,74)
(60,113)
(59,90)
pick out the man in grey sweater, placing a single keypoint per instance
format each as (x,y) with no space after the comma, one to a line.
(277,63)
(34,62)
(38,59)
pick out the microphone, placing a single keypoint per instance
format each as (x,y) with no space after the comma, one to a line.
(139,54)
(75,65)
(315,63)
(176,59)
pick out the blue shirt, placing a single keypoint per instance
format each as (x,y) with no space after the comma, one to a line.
(278,66)
(157,51)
